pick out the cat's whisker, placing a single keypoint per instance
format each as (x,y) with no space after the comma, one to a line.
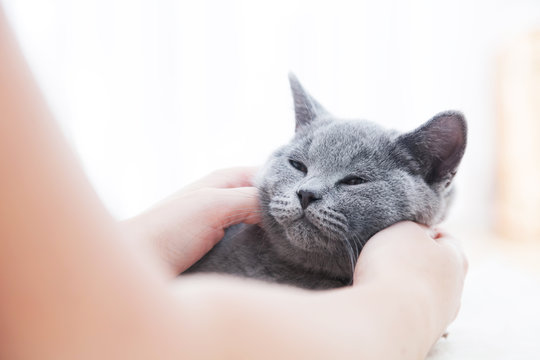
(238,233)
(357,179)
(350,252)
(356,249)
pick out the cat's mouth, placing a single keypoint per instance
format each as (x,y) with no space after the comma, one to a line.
(304,221)
(309,231)
(306,236)
(315,227)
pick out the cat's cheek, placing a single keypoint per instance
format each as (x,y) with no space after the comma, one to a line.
(284,210)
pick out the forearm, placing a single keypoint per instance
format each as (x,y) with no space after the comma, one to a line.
(68,283)
(71,287)
(376,320)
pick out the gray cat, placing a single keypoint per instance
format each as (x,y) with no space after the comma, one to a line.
(335,185)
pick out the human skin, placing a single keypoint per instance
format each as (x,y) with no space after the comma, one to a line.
(389,267)
(186,225)
(76,284)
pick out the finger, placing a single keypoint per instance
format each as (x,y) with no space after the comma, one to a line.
(234,206)
(443,238)
(226,178)
(404,229)
(435,233)
(454,245)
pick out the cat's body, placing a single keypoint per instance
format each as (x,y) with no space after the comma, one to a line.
(246,251)
(335,185)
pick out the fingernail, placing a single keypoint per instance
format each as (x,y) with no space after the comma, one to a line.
(435,233)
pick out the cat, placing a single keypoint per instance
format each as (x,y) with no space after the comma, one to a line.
(336,184)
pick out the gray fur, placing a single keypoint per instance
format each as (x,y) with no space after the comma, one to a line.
(388,178)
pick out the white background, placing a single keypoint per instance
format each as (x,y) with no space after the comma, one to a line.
(153,94)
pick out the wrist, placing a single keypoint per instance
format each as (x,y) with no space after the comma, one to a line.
(142,233)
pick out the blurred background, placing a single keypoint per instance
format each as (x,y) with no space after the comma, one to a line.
(154,94)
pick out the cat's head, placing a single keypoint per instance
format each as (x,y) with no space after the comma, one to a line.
(338,182)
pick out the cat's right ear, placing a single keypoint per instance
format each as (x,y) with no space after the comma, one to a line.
(438,146)
(306,108)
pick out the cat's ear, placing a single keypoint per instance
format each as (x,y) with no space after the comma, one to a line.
(438,146)
(306,108)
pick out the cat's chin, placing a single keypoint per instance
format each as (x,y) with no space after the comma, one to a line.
(307,237)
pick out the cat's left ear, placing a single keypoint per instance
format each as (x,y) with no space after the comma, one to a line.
(438,146)
(306,108)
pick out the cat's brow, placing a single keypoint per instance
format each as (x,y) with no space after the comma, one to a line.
(297,154)
(362,156)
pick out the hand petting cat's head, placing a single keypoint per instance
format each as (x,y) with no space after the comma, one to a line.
(339,182)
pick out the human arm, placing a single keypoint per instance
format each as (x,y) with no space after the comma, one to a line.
(72,286)
(401,297)
(406,291)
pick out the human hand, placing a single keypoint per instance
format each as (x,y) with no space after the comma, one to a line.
(186,225)
(418,259)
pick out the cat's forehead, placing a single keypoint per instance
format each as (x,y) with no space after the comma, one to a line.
(345,143)
(342,135)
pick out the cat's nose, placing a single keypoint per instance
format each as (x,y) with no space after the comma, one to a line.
(306,198)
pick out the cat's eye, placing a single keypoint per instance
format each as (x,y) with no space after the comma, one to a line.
(353,180)
(298,166)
